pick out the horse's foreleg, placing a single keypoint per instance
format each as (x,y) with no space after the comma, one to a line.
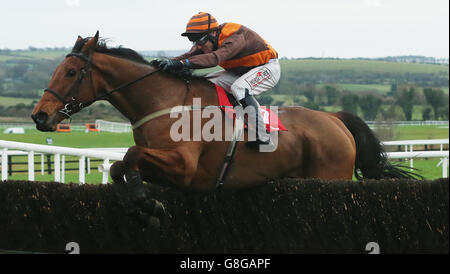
(176,165)
(117,172)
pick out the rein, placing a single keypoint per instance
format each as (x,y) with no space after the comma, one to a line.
(73,105)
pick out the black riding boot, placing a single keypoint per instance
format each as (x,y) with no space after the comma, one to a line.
(262,137)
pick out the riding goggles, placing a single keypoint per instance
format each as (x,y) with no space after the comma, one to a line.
(201,41)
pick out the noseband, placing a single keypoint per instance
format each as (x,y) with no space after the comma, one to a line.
(73,105)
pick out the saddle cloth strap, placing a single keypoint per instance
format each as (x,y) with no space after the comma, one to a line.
(165,111)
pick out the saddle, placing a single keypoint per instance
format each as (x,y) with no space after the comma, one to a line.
(228,102)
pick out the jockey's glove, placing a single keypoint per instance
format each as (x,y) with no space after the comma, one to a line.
(156,63)
(169,65)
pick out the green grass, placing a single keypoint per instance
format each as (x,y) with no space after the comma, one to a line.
(42,54)
(381,89)
(38,54)
(4,58)
(12,101)
(426,168)
(360,66)
(420,132)
(69,177)
(73,139)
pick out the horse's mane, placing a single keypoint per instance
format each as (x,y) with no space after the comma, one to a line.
(132,55)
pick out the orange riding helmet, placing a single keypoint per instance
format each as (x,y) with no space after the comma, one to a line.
(200,24)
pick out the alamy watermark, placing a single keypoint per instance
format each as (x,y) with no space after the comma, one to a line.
(73,248)
(373,248)
(189,126)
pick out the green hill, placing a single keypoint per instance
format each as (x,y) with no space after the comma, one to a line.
(307,82)
(359,66)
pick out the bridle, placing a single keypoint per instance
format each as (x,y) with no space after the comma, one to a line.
(73,105)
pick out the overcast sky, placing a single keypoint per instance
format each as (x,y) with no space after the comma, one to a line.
(295,28)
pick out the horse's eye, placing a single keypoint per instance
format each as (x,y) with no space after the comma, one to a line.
(71,73)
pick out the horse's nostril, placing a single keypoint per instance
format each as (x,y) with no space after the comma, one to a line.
(40,117)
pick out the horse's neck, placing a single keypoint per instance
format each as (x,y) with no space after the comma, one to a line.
(156,92)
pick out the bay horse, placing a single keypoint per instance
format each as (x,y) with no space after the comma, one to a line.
(316,145)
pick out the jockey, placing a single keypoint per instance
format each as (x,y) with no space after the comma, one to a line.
(250,64)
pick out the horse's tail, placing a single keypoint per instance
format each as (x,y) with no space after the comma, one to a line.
(371,159)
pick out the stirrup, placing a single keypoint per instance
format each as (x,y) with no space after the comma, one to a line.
(260,127)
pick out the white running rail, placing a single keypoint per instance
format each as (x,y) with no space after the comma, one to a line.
(59,158)
(411,154)
(107,126)
(114,154)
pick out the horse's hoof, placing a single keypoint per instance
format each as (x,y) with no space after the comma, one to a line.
(147,221)
(159,210)
(154,222)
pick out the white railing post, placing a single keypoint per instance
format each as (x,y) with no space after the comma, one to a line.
(42,163)
(82,172)
(63,168)
(411,164)
(88,163)
(4,164)
(57,163)
(30,166)
(444,162)
(105,173)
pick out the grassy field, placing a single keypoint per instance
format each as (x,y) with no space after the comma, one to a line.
(37,54)
(381,89)
(420,132)
(361,66)
(12,101)
(73,139)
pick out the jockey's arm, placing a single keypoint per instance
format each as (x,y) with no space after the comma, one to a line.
(193,51)
(229,48)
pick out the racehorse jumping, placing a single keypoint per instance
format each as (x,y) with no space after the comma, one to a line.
(316,145)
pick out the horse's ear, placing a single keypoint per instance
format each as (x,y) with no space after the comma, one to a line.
(79,39)
(91,44)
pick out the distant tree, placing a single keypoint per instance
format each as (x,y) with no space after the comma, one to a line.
(444,111)
(312,105)
(406,102)
(2,74)
(265,100)
(350,103)
(17,71)
(435,97)
(298,101)
(426,113)
(278,103)
(332,94)
(393,91)
(370,106)
(310,92)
